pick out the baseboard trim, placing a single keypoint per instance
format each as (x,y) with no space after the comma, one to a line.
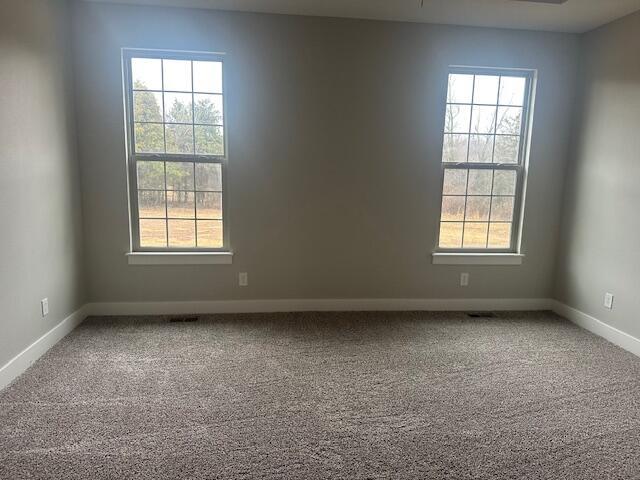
(328,305)
(18,364)
(598,327)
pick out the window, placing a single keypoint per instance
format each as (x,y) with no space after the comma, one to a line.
(176,150)
(483,159)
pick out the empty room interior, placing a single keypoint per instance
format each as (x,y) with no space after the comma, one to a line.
(320,239)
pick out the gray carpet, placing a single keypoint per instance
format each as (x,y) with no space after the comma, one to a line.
(326,395)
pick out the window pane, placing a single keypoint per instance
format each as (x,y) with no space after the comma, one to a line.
(499,235)
(210,233)
(208,109)
(149,138)
(480,182)
(179,176)
(170,118)
(207,77)
(507,149)
(509,120)
(486,89)
(153,233)
(177,75)
(450,235)
(150,175)
(179,138)
(457,119)
(180,205)
(454,148)
(483,119)
(209,140)
(178,108)
(512,90)
(475,235)
(481,148)
(477,209)
(478,204)
(209,205)
(151,204)
(502,209)
(452,209)
(208,177)
(182,233)
(460,88)
(455,182)
(504,182)
(146,73)
(147,106)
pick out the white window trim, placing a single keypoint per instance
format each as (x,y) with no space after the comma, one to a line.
(489,256)
(202,255)
(179,258)
(439,258)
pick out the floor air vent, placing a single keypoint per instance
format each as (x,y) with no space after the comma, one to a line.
(183,319)
(481,314)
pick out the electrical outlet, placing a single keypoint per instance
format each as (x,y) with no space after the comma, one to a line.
(608,300)
(464,279)
(243,279)
(44,304)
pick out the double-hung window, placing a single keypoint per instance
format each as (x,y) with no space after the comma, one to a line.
(483,159)
(176,150)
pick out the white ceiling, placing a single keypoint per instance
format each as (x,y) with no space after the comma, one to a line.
(572,16)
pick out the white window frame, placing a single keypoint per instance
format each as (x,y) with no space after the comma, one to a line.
(464,255)
(133,157)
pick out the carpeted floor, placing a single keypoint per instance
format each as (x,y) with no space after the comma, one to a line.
(323,396)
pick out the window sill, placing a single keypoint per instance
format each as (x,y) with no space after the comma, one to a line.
(179,258)
(477,258)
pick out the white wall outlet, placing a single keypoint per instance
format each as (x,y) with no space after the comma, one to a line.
(464,279)
(243,279)
(44,304)
(608,300)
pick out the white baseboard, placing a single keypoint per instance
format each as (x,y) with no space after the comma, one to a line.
(18,364)
(24,359)
(328,305)
(615,336)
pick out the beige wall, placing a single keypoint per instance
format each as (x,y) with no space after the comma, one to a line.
(40,215)
(334,138)
(600,249)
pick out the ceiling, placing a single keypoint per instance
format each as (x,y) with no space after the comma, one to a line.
(572,16)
